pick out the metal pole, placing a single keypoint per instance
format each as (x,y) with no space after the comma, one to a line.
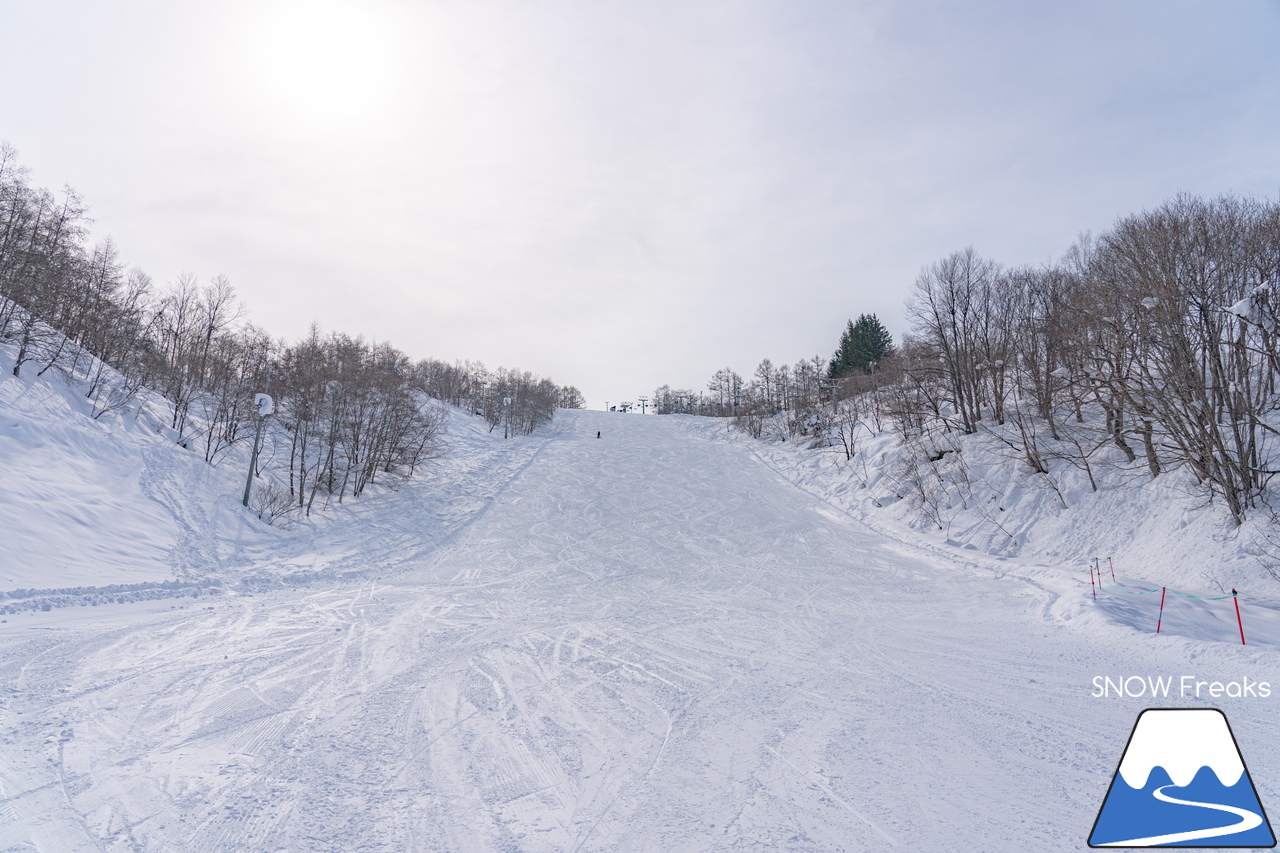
(253,461)
(257,438)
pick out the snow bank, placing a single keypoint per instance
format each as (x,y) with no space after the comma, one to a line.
(119,502)
(80,497)
(981,502)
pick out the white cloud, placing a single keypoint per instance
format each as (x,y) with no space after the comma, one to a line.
(622,194)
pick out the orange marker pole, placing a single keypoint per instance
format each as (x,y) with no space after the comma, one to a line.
(1238,622)
(1161,617)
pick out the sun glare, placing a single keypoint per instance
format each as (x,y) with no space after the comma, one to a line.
(323,59)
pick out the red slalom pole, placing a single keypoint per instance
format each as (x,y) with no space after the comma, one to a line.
(1161,617)
(1113,569)
(1091,586)
(1238,622)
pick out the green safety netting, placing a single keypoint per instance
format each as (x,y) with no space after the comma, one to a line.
(1174,591)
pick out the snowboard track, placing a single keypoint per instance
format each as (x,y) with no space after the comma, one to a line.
(642,642)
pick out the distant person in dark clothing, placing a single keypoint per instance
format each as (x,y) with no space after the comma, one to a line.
(597,433)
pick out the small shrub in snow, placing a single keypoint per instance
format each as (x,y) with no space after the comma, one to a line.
(270,502)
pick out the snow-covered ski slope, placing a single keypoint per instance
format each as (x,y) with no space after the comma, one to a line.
(650,641)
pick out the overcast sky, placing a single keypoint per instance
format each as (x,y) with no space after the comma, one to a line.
(623,194)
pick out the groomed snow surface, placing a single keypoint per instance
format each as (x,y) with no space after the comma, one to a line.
(655,641)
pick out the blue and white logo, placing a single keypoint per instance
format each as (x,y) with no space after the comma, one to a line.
(1182,783)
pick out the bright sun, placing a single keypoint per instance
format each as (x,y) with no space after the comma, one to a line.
(326,59)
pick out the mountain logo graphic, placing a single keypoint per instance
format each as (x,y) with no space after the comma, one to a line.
(1182,783)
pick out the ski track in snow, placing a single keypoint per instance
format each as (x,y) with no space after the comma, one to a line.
(646,642)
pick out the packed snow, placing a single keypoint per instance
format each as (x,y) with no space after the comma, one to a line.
(669,638)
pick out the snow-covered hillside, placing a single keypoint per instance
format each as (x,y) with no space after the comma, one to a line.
(115,509)
(112,501)
(981,497)
(668,638)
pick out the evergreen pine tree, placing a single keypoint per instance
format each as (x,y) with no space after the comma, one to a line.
(861,343)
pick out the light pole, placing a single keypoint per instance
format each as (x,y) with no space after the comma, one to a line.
(265,406)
